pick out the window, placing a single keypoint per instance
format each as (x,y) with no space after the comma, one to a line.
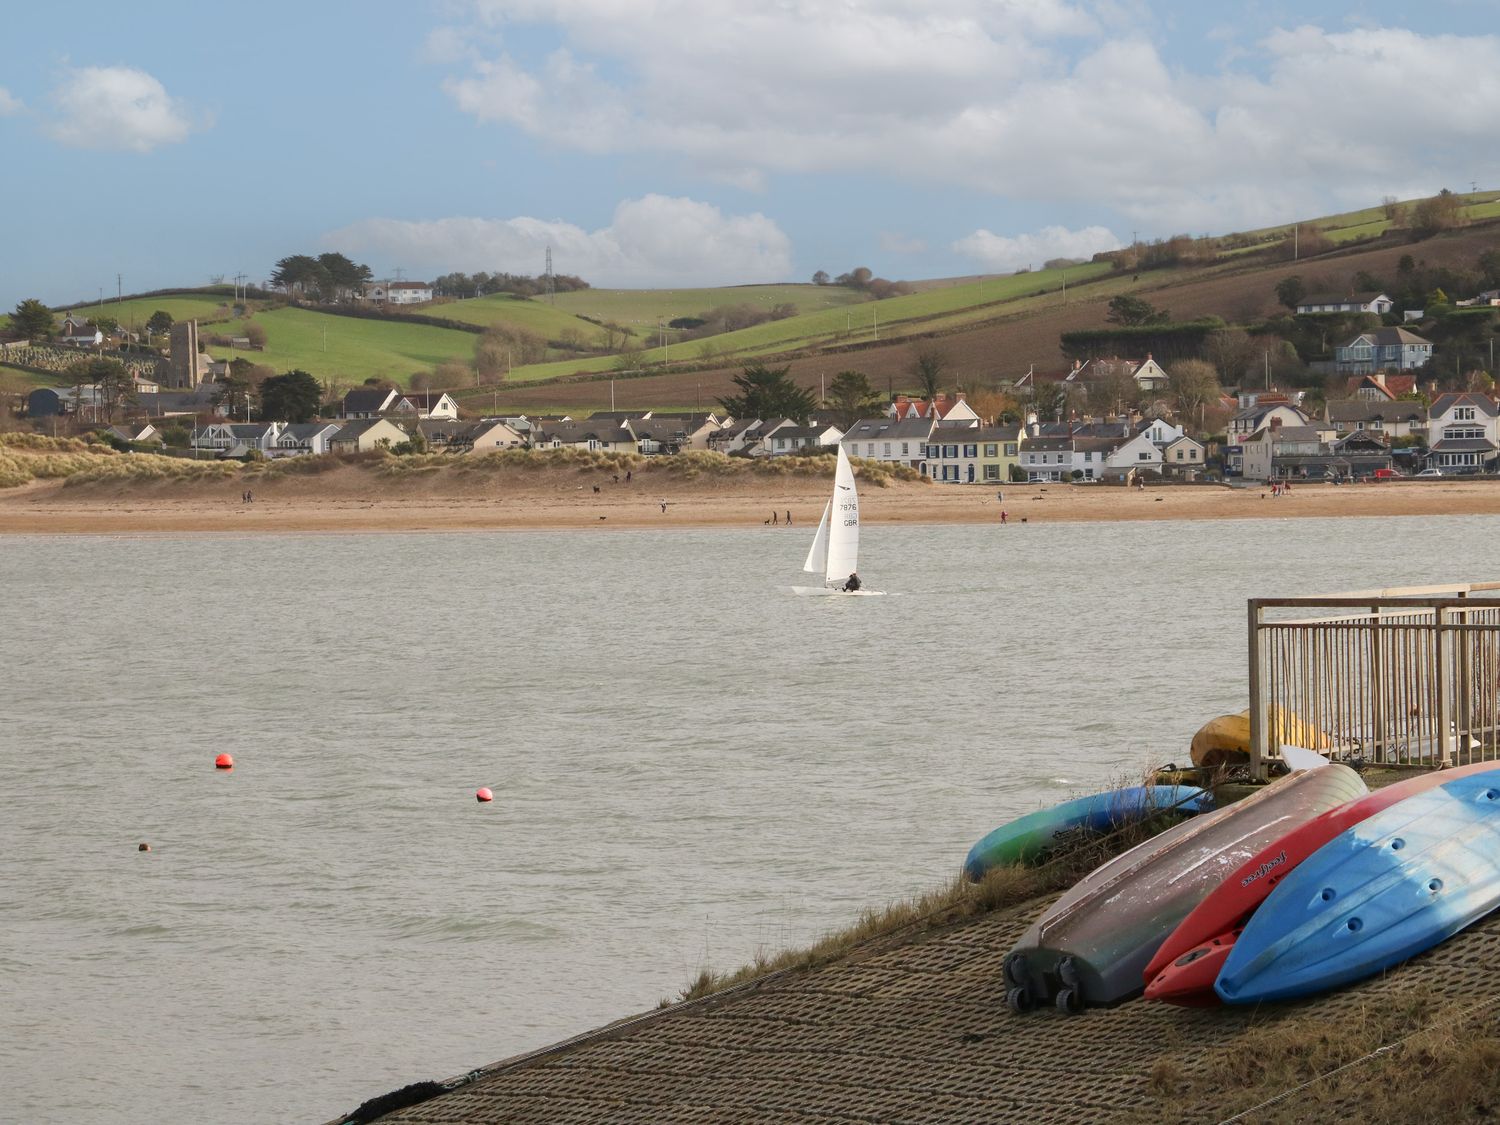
(991,450)
(992,472)
(971,451)
(886,449)
(870,449)
(1010,449)
(1144,457)
(1464,414)
(903,448)
(950,451)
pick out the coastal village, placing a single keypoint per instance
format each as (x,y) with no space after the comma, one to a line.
(1386,420)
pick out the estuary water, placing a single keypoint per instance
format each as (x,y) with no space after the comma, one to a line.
(689,765)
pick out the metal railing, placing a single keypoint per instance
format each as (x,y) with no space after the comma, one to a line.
(1400,677)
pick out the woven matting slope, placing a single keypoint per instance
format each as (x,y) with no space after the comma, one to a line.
(915,1029)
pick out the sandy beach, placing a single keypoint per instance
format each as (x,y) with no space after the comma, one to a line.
(352,500)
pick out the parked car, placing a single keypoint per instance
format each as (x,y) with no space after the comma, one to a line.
(1388,474)
(1430,473)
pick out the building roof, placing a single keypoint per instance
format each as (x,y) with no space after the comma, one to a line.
(351,431)
(572,433)
(1367,410)
(1390,337)
(1463,445)
(366,400)
(889,429)
(408,285)
(424,400)
(1446,402)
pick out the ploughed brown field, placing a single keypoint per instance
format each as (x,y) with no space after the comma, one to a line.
(353,499)
(1009,345)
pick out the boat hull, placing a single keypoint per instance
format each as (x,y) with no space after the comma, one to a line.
(1230,905)
(1030,838)
(1091,947)
(829,591)
(1392,886)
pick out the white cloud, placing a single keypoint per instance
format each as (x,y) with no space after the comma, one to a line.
(653,240)
(1034,99)
(998,252)
(9,103)
(116,108)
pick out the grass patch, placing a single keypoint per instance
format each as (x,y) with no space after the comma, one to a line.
(348,349)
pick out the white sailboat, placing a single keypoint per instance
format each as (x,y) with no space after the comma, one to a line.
(835,547)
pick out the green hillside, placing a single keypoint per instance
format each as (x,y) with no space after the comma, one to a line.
(349,349)
(635,307)
(533,315)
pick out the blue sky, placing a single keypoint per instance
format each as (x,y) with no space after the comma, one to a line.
(699,142)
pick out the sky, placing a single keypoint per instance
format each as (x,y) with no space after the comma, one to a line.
(654,143)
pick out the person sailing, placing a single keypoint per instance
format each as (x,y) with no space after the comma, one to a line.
(851,584)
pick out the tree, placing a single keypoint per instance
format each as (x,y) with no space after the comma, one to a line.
(32,320)
(115,383)
(927,367)
(769,392)
(1290,291)
(1231,352)
(158,322)
(1194,384)
(344,277)
(256,334)
(1113,391)
(234,390)
(1132,312)
(821,278)
(1443,211)
(299,273)
(292,397)
(850,397)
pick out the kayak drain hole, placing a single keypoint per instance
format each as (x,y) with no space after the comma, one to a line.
(1435,885)
(1327,894)
(1491,794)
(1397,845)
(1355,925)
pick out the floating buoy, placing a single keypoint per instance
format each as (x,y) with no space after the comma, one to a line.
(484,795)
(143,847)
(224,762)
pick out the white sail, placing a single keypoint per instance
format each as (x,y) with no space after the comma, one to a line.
(818,553)
(843,524)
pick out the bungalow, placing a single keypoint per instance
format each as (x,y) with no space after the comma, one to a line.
(1139,453)
(692,428)
(237,439)
(1149,375)
(608,437)
(972,454)
(397,292)
(789,439)
(365,435)
(1463,433)
(886,439)
(1395,349)
(1377,303)
(446,436)
(300,439)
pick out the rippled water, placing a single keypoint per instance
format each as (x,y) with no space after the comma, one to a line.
(689,765)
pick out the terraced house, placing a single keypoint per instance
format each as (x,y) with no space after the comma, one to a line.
(1463,433)
(973,455)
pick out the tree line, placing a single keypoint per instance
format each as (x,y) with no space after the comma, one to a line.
(483,284)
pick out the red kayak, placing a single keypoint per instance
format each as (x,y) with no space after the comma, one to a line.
(1188,962)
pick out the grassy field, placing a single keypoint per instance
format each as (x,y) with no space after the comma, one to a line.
(344,349)
(929,310)
(636,307)
(532,315)
(137,310)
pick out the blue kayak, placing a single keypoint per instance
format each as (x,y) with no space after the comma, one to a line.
(1388,888)
(1034,836)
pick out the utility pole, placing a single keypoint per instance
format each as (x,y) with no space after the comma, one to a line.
(1296,236)
(876,314)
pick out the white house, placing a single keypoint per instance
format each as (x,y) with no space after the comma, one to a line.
(301,439)
(788,439)
(1463,434)
(1251,421)
(888,439)
(1377,303)
(608,437)
(430,404)
(1149,375)
(397,292)
(1160,432)
(78,332)
(1395,418)
(367,434)
(236,439)
(1139,453)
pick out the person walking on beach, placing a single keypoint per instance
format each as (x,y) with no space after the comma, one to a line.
(1002,516)
(627,476)
(789,517)
(664,503)
(773,516)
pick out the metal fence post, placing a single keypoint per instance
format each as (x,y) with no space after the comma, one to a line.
(1444,684)
(1257,703)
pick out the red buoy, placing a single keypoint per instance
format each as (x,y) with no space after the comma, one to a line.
(484,795)
(224,762)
